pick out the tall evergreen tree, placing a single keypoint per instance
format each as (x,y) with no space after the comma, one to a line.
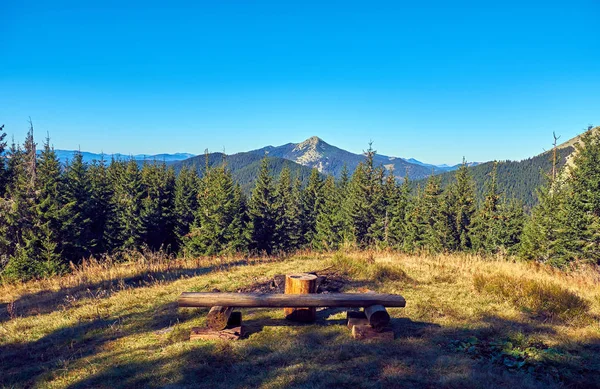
(486,224)
(581,211)
(312,198)
(22,223)
(398,211)
(262,211)
(289,223)
(3,164)
(460,209)
(365,203)
(77,195)
(219,221)
(50,210)
(158,207)
(101,207)
(436,224)
(330,222)
(186,202)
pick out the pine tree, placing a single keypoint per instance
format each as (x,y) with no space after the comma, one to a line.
(330,226)
(157,208)
(4,203)
(219,221)
(312,198)
(3,165)
(486,224)
(101,207)
(581,211)
(460,209)
(76,196)
(50,210)
(365,203)
(436,225)
(512,219)
(289,227)
(125,228)
(186,202)
(114,232)
(398,215)
(262,211)
(23,228)
(415,224)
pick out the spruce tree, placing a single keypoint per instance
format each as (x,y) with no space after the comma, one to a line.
(416,224)
(50,210)
(312,198)
(365,205)
(23,228)
(330,222)
(581,211)
(76,196)
(460,209)
(132,192)
(101,207)
(114,232)
(219,221)
(435,222)
(186,202)
(262,212)
(3,164)
(398,210)
(487,222)
(157,206)
(289,223)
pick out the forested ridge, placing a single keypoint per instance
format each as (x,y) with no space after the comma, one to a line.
(54,215)
(516,179)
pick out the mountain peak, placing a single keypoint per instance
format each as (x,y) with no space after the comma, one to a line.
(313,141)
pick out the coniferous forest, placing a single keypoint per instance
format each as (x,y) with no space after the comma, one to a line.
(53,215)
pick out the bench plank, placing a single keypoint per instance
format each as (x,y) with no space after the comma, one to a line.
(257,300)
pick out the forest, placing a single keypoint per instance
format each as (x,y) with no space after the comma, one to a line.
(54,216)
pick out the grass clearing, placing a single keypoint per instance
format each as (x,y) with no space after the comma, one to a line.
(119,326)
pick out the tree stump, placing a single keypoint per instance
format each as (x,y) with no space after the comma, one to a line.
(301,283)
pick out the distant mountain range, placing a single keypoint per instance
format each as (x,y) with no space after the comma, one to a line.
(67,155)
(328,159)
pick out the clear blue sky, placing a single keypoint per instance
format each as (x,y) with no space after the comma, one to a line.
(430,80)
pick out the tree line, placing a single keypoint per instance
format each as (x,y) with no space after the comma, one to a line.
(53,215)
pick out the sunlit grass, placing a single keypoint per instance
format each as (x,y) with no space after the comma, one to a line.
(117,325)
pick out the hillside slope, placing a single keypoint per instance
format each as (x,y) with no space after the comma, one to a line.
(517,179)
(244,166)
(468,323)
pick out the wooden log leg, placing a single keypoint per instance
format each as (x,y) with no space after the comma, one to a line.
(377,316)
(218,317)
(233,331)
(302,283)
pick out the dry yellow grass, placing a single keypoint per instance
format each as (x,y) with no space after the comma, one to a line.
(118,325)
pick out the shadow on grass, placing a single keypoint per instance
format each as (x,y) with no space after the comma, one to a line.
(317,356)
(279,354)
(44,302)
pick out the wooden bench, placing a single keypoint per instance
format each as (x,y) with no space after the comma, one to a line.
(372,324)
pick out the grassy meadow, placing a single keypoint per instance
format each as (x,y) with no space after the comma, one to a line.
(469,322)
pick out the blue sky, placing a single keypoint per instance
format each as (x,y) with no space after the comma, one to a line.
(431,80)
